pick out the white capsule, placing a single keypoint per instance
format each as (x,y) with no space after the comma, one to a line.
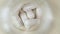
(38,12)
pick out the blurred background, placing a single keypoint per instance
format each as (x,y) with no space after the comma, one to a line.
(55,5)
